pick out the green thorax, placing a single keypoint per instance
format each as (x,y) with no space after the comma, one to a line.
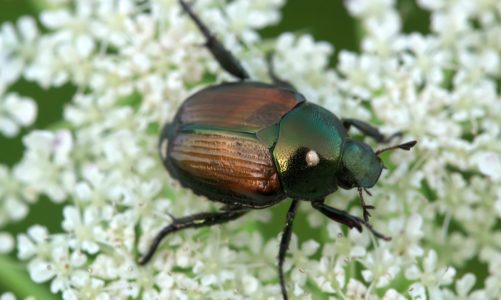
(309,127)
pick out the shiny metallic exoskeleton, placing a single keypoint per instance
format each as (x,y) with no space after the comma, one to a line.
(250,145)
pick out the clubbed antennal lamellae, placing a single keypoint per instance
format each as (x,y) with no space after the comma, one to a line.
(405,146)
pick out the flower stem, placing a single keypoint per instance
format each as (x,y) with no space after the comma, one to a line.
(15,279)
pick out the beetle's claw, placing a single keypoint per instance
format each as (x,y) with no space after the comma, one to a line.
(381,236)
(376,233)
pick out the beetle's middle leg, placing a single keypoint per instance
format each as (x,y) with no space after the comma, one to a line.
(224,57)
(192,221)
(284,245)
(345,218)
(369,130)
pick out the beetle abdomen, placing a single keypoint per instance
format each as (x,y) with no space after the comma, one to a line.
(224,166)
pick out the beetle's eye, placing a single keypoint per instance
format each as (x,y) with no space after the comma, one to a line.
(312,158)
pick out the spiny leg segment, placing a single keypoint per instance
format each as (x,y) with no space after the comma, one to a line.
(345,218)
(224,57)
(284,245)
(191,221)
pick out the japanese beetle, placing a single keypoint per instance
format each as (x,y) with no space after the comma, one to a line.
(250,145)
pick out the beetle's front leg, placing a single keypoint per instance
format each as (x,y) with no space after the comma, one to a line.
(345,218)
(369,130)
(284,245)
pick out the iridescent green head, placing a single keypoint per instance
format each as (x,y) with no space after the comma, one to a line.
(361,166)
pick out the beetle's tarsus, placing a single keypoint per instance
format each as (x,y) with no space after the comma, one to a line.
(376,233)
(367,214)
(365,207)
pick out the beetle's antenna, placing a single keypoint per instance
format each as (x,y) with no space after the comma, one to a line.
(405,146)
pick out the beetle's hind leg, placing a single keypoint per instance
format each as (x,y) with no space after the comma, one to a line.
(274,77)
(284,245)
(345,218)
(192,221)
(369,130)
(224,57)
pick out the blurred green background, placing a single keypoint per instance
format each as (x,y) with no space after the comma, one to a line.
(325,20)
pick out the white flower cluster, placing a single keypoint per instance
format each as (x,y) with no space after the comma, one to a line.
(134,62)
(17,46)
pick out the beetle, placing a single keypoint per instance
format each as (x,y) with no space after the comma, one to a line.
(251,145)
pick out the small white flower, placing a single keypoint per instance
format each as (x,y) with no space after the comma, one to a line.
(13,197)
(34,243)
(41,271)
(430,277)
(7,296)
(250,284)
(329,274)
(87,287)
(6,242)
(406,243)
(363,74)
(18,47)
(15,112)
(489,163)
(381,268)
(46,166)
(376,8)
(356,290)
(392,294)
(352,246)
(464,288)
(417,292)
(84,229)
